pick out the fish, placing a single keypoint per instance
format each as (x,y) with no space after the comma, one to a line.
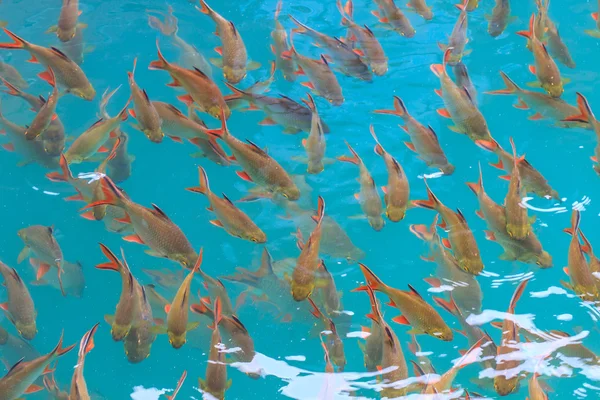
(529,250)
(544,105)
(178,387)
(31,151)
(215,381)
(315,143)
(52,387)
(546,30)
(595,32)
(19,307)
(518,224)
(583,282)
(177,311)
(370,48)
(545,68)
(533,181)
(421,8)
(42,119)
(142,334)
(594,261)
(499,19)
(586,116)
(258,166)
(349,61)
(281,110)
(303,279)
(368,197)
(67,20)
(99,212)
(95,137)
(321,79)
(126,307)
(151,225)
(202,92)
(149,122)
(328,291)
(335,346)
(79,388)
(415,311)
(391,15)
(43,251)
(12,75)
(73,280)
(465,287)
(397,191)
(464,80)
(372,348)
(118,168)
(76,48)
(280,46)
(536,392)
(459,106)
(460,236)
(167,27)
(68,73)
(504,382)
(391,352)
(53,137)
(423,139)
(21,376)
(229,217)
(458,38)
(471,5)
(234,63)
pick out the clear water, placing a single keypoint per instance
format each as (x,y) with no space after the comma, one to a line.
(289,354)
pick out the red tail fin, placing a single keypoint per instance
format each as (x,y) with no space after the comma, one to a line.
(112,194)
(114,264)
(222,131)
(585,111)
(204,187)
(17,43)
(372,280)
(161,63)
(516,296)
(59,350)
(179,385)
(217,311)
(66,174)
(449,306)
(432,201)
(528,34)
(511,86)
(87,343)
(399,108)
(355,159)
(477,187)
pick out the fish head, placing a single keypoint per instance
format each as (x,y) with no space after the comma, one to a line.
(376,223)
(87,93)
(504,386)
(544,260)
(154,136)
(215,111)
(554,90)
(54,148)
(22,233)
(136,353)
(300,291)
(379,68)
(256,236)
(447,169)
(336,100)
(234,74)
(177,340)
(496,28)
(26,330)
(65,35)
(119,332)
(291,192)
(444,333)
(395,214)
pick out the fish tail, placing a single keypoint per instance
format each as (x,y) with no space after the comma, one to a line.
(278,9)
(198,261)
(432,201)
(477,188)
(65,175)
(17,43)
(449,306)
(222,132)
(373,282)
(315,310)
(320,211)
(375,314)
(472,355)
(178,387)
(489,145)
(130,74)
(422,231)
(59,350)
(585,111)
(87,343)
(462,6)
(123,113)
(161,63)
(379,150)
(310,103)
(301,28)
(399,109)
(217,312)
(355,159)
(511,86)
(528,34)
(237,93)
(12,90)
(114,264)
(112,194)
(517,295)
(575,221)
(204,186)
(205,9)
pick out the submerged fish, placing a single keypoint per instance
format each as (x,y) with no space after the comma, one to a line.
(149,121)
(19,307)
(315,143)
(79,388)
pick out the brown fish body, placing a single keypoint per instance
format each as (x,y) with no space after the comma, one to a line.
(258,166)
(44,116)
(149,121)
(504,384)
(397,190)
(229,217)
(536,392)
(464,80)
(557,48)
(422,317)
(152,226)
(368,196)
(499,18)
(76,48)
(315,143)
(545,68)
(119,167)
(459,105)
(201,90)
(308,262)
(390,13)
(518,225)
(460,236)
(281,46)
(79,390)
(423,140)
(53,390)
(177,311)
(67,20)
(458,38)
(19,306)
(583,282)
(12,76)
(68,73)
(421,8)
(215,381)
(141,336)
(128,302)
(233,51)
(585,115)
(24,373)
(330,294)
(373,347)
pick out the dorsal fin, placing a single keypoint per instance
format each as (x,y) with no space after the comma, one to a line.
(202,74)
(160,212)
(464,88)
(227,198)
(256,148)
(233,28)
(16,276)
(266,264)
(239,324)
(60,53)
(414,291)
(175,110)
(461,216)
(15,367)
(146,96)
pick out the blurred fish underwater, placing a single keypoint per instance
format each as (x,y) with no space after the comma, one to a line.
(395,188)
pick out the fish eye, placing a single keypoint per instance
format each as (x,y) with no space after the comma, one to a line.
(285,195)
(254,240)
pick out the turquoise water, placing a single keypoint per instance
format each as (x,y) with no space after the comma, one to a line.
(289,355)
